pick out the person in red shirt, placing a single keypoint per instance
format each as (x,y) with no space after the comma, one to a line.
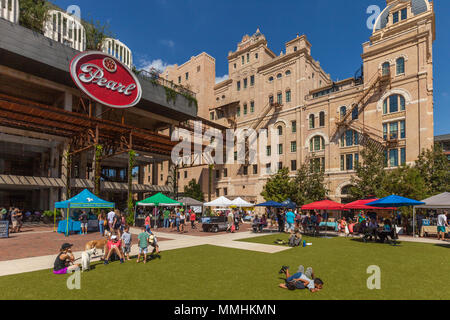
(193,217)
(147,223)
(114,245)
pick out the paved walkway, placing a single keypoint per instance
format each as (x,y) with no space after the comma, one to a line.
(172,241)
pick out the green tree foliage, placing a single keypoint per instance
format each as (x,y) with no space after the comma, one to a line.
(370,177)
(33,14)
(308,184)
(407,182)
(96,32)
(194,190)
(279,187)
(435,169)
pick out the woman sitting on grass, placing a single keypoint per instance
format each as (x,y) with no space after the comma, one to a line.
(64,261)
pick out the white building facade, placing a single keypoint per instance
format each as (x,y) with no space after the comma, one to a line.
(119,50)
(9,10)
(65,29)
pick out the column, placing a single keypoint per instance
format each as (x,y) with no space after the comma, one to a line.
(68,100)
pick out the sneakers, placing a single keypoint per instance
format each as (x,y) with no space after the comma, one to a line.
(309,272)
(283,269)
(301,269)
(121,261)
(105,262)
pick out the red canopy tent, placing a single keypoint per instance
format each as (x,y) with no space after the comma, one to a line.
(323,205)
(361,205)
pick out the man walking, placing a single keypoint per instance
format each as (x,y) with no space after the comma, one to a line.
(441,225)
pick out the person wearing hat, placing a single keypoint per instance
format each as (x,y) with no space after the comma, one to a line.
(64,261)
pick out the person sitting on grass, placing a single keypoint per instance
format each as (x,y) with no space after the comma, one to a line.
(64,261)
(143,244)
(301,280)
(114,245)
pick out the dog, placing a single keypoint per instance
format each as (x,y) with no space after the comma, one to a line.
(86,259)
(96,244)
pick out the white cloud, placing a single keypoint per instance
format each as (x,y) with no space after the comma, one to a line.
(157,64)
(168,43)
(220,79)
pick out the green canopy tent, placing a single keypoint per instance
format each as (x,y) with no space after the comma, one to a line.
(157,200)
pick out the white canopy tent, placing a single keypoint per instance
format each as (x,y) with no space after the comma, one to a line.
(440,201)
(219,202)
(241,203)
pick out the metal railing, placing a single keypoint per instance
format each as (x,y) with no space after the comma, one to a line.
(154,77)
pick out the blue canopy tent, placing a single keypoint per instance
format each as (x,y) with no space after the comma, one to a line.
(396,201)
(84,200)
(289,204)
(271,204)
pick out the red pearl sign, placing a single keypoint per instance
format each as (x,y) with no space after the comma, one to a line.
(105,79)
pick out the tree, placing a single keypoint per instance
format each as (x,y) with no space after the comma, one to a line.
(33,14)
(194,190)
(407,182)
(309,183)
(435,169)
(279,187)
(370,177)
(96,32)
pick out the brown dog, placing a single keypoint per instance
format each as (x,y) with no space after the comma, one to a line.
(97,244)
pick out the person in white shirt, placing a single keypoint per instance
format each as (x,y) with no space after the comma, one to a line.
(441,225)
(111,216)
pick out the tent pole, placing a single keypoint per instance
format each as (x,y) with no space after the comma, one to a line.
(67,213)
(54,220)
(414,222)
(134,221)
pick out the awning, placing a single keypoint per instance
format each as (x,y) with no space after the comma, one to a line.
(12,180)
(323,205)
(441,201)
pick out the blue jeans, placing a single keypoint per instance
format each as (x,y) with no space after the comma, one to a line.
(101,227)
(178,224)
(166,223)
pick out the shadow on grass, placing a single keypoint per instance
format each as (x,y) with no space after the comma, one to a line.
(443,245)
(394,244)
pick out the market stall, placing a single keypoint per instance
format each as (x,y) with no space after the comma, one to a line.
(84,200)
(440,201)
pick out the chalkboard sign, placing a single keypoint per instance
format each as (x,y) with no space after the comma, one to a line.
(4,229)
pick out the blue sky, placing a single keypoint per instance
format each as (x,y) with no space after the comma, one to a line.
(165,32)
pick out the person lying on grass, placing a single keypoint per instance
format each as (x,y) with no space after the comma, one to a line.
(64,261)
(301,280)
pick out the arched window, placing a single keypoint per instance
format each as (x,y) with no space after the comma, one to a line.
(350,138)
(394,103)
(400,66)
(279,76)
(280,130)
(386,68)
(288,73)
(322,119)
(312,121)
(355,113)
(343,111)
(316,143)
(346,190)
(270,79)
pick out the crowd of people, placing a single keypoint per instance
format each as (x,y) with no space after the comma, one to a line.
(15,216)
(174,218)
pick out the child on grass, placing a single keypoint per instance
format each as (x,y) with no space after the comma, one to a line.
(126,238)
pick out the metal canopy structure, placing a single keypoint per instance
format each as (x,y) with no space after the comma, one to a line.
(84,132)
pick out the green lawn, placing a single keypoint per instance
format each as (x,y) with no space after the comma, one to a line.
(408,271)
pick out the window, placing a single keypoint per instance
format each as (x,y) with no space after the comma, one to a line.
(198,68)
(185,174)
(280,130)
(217,192)
(279,76)
(268,151)
(280,148)
(404,13)
(248,57)
(235,156)
(402,129)
(288,96)
(225,191)
(235,66)
(270,79)
(243,60)
(293,165)
(187,75)
(393,130)
(316,143)
(349,161)
(400,66)
(255,169)
(322,119)
(245,109)
(225,173)
(294,126)
(217,174)
(238,84)
(393,158)
(245,83)
(355,113)
(349,138)
(395,17)
(393,104)
(288,73)
(317,164)
(271,100)
(397,130)
(280,166)
(279,98)
(252,106)
(162,177)
(293,146)
(268,168)
(238,111)
(386,69)
(403,156)
(211,115)
(312,121)
(252,80)
(295,49)
(256,55)
(179,80)
(343,112)
(245,171)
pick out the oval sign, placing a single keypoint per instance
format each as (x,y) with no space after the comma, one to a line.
(105,79)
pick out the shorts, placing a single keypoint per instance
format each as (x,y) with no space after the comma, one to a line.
(15,224)
(441,229)
(143,250)
(84,225)
(126,249)
(62,271)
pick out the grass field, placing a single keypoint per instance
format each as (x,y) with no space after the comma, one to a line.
(408,271)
